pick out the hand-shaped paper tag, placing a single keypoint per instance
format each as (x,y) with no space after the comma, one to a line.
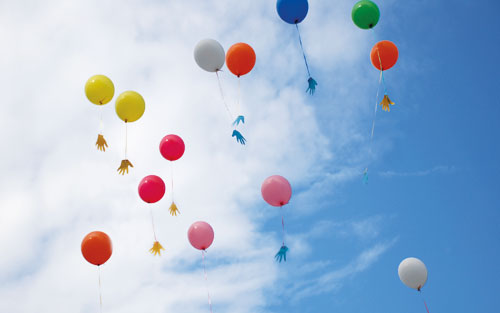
(101,143)
(385,103)
(124,167)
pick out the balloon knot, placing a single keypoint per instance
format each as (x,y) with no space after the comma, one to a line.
(281,255)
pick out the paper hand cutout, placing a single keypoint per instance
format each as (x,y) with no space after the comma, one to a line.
(239,119)
(281,255)
(174,210)
(385,103)
(157,247)
(124,167)
(312,86)
(239,137)
(101,143)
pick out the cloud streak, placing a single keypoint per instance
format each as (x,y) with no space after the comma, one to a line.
(435,169)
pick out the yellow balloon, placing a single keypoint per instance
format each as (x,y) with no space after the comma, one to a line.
(130,106)
(99,89)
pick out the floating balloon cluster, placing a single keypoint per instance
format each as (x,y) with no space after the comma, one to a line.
(240,59)
(129,106)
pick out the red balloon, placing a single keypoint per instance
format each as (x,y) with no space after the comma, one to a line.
(201,235)
(97,248)
(172,147)
(384,55)
(151,189)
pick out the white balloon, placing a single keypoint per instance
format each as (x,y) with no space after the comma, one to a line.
(413,273)
(209,55)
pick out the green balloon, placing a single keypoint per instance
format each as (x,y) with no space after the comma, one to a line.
(365,14)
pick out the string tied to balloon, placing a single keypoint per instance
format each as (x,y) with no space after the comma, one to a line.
(157,247)
(383,56)
(151,190)
(99,90)
(310,81)
(201,235)
(129,107)
(240,60)
(206,279)
(97,249)
(172,148)
(100,293)
(281,255)
(238,120)
(423,299)
(276,191)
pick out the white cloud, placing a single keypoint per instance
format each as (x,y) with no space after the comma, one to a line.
(57,187)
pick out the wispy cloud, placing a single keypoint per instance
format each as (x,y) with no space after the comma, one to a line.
(436,169)
(334,279)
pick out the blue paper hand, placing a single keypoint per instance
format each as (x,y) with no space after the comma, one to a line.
(312,85)
(281,255)
(239,137)
(239,119)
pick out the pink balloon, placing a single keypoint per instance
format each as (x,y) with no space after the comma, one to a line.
(201,235)
(276,190)
(151,189)
(172,147)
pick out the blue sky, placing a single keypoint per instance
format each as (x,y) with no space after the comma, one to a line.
(432,190)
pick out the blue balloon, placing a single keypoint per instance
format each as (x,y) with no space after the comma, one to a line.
(292,11)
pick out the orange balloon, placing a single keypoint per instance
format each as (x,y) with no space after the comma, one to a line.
(97,247)
(240,59)
(384,55)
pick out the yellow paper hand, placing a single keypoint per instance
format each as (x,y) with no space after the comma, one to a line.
(174,210)
(101,143)
(385,103)
(156,250)
(124,167)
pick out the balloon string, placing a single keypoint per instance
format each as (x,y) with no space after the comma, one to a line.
(381,71)
(101,124)
(100,295)
(172,179)
(126,139)
(426,308)
(302,48)
(206,279)
(223,98)
(283,223)
(153,223)
(376,106)
(239,96)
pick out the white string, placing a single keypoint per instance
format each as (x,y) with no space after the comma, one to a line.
(100,296)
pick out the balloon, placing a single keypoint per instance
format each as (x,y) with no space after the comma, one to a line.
(292,11)
(97,247)
(240,59)
(172,147)
(276,190)
(151,189)
(201,235)
(412,273)
(384,55)
(209,55)
(130,106)
(365,14)
(99,89)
